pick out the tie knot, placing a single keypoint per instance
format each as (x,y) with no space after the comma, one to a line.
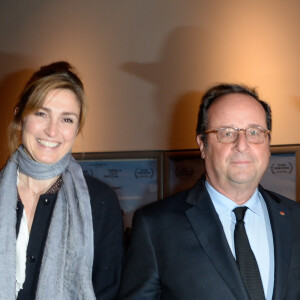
(240,213)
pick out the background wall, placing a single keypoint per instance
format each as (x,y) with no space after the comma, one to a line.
(146,63)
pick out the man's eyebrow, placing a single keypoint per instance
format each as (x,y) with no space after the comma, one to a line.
(254,125)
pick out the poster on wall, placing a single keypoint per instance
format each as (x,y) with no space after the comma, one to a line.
(283,169)
(182,169)
(134,176)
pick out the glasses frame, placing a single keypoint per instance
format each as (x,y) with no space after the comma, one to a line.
(265,131)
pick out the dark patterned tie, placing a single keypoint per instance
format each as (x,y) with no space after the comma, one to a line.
(245,258)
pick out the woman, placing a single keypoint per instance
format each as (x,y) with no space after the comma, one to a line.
(61,232)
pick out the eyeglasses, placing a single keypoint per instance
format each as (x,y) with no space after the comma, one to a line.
(228,135)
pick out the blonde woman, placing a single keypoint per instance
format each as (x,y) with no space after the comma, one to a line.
(61,231)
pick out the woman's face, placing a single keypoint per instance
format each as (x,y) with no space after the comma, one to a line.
(49,133)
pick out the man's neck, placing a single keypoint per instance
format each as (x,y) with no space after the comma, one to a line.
(237,193)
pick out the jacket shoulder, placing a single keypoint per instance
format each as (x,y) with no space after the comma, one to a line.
(101,194)
(280,199)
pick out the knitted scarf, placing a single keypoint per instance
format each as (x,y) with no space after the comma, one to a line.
(66,270)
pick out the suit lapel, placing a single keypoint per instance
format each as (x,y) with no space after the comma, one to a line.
(281,223)
(209,232)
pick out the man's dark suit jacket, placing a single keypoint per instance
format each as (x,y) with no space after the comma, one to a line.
(178,250)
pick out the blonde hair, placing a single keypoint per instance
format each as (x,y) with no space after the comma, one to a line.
(58,75)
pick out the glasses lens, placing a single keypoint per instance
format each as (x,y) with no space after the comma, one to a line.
(255,135)
(227,135)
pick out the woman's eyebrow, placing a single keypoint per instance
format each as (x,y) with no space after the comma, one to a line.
(70,114)
(65,113)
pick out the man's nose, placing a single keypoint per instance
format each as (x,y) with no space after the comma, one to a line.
(241,143)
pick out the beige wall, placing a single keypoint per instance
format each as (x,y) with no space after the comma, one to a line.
(145,63)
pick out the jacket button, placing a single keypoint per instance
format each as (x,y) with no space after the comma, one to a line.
(46,201)
(31,258)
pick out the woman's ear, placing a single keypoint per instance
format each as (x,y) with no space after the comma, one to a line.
(20,123)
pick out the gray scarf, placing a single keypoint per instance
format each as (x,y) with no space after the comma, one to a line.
(66,270)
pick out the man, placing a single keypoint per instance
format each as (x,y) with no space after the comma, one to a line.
(189,245)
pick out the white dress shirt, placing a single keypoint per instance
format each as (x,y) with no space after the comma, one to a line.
(258,229)
(21,249)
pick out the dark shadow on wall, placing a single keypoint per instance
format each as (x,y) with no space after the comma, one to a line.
(188,60)
(184,121)
(11,84)
(296,102)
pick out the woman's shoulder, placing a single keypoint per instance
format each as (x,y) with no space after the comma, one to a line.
(100,192)
(94,183)
(106,211)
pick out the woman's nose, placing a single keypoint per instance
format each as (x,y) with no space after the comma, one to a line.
(51,129)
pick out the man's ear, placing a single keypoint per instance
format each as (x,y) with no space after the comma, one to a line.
(201,146)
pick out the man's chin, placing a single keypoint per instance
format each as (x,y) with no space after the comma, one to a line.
(243,178)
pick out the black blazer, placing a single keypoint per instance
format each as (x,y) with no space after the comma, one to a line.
(108,240)
(178,250)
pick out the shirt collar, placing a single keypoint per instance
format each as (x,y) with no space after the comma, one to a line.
(224,205)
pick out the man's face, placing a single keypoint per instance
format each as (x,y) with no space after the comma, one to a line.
(237,165)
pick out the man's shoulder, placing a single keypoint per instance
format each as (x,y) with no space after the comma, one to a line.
(281,200)
(179,201)
(172,205)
